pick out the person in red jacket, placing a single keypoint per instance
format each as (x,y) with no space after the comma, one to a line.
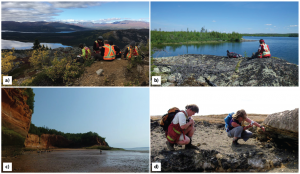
(181,130)
(263,50)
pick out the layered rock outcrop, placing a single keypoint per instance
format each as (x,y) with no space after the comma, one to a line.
(192,69)
(46,141)
(281,128)
(16,114)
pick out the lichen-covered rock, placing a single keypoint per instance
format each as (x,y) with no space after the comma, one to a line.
(230,71)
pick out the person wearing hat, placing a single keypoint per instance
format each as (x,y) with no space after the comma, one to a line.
(97,47)
(181,129)
(98,44)
(263,50)
(238,130)
(132,50)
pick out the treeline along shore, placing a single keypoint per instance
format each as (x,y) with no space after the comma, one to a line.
(172,37)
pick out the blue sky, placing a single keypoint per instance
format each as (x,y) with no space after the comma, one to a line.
(75,11)
(242,17)
(119,114)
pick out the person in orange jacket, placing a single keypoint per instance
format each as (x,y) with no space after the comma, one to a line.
(263,50)
(131,51)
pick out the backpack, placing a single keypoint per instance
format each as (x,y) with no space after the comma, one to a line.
(227,120)
(167,119)
(233,55)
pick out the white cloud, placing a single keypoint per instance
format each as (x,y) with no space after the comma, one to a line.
(293,25)
(274,26)
(38,11)
(213,21)
(268,24)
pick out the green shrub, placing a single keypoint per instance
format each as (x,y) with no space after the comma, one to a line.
(11,138)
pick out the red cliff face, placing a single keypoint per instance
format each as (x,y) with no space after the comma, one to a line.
(16,114)
(46,141)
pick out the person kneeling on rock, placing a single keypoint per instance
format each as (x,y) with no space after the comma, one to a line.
(181,129)
(238,130)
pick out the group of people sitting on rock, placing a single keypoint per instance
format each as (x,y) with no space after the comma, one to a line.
(262,52)
(182,127)
(106,50)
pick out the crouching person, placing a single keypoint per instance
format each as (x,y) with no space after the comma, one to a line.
(181,129)
(237,129)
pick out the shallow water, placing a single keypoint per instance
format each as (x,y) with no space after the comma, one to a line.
(282,47)
(80,161)
(9,44)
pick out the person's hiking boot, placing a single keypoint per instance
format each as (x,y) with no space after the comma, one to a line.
(170,146)
(190,146)
(235,143)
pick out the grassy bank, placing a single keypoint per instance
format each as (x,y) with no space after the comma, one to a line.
(12,142)
(166,37)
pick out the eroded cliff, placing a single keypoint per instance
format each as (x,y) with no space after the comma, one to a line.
(16,114)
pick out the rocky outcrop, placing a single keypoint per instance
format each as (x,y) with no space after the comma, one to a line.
(32,141)
(192,69)
(49,141)
(215,153)
(281,129)
(286,120)
(15,113)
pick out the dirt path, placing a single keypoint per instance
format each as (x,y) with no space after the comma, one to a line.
(115,73)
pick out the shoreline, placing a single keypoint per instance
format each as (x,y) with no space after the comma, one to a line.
(202,42)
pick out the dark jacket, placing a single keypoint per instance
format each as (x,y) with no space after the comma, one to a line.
(95,48)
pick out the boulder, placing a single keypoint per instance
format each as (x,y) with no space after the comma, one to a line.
(286,120)
(281,129)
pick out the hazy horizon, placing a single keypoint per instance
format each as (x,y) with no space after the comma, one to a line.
(110,112)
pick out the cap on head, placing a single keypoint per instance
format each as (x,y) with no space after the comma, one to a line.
(80,45)
(261,41)
(100,38)
(132,43)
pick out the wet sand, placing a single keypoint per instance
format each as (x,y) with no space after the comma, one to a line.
(80,160)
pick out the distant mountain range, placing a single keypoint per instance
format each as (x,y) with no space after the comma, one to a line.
(65,26)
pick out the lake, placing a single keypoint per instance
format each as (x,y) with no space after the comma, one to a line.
(80,160)
(283,47)
(9,44)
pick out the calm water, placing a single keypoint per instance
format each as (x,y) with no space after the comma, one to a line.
(282,47)
(9,44)
(81,161)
